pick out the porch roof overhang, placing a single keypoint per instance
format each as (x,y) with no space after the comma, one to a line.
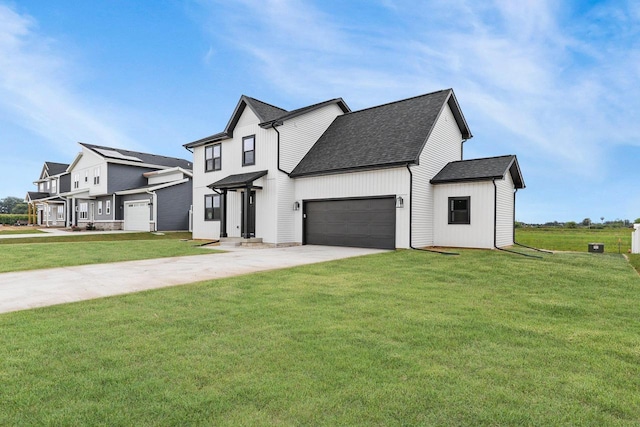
(241,180)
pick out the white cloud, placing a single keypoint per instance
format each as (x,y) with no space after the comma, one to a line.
(37,89)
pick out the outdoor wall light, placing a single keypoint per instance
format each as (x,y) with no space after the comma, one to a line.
(399,202)
(296,206)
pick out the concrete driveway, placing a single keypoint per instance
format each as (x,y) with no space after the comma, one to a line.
(39,288)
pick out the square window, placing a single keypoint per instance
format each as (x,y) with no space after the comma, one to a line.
(213,158)
(212,207)
(459,210)
(248,150)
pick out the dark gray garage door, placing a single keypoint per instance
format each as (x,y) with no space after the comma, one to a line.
(363,223)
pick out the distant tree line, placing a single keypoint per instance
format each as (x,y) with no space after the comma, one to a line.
(585,223)
(13,205)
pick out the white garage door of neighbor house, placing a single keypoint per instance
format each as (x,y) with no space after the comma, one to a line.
(136,216)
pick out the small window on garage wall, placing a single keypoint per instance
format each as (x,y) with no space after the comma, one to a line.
(460,210)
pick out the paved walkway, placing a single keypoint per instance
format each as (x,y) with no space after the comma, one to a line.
(39,288)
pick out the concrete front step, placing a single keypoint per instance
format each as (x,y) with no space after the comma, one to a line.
(240,241)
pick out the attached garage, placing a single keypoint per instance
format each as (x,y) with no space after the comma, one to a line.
(365,223)
(136,215)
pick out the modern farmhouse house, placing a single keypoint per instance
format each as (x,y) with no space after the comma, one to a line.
(115,189)
(390,176)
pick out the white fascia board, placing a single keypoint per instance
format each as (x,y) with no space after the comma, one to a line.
(148,189)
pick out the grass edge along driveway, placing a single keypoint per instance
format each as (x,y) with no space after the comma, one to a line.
(400,338)
(65,251)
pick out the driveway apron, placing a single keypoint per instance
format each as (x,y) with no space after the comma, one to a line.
(40,288)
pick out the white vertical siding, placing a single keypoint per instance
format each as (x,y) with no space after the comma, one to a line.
(298,135)
(266,148)
(504,211)
(385,182)
(443,146)
(477,234)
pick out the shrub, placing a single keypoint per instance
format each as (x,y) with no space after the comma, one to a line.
(10,219)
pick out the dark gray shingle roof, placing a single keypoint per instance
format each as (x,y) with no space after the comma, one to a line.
(386,135)
(238,180)
(56,168)
(480,170)
(266,113)
(153,159)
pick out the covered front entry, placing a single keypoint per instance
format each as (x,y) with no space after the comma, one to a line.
(365,223)
(136,215)
(244,183)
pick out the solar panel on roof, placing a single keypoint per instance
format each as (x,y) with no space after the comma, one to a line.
(116,155)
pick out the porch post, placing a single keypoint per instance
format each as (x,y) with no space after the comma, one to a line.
(245,213)
(223,214)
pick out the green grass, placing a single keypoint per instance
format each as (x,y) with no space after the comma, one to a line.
(400,338)
(575,239)
(95,237)
(24,231)
(87,250)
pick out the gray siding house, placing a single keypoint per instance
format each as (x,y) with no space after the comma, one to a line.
(113,189)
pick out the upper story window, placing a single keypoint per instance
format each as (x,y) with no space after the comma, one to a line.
(96,176)
(249,150)
(41,187)
(459,210)
(212,158)
(76,180)
(86,176)
(54,186)
(212,207)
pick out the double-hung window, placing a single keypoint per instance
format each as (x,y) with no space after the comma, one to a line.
(96,176)
(249,150)
(212,207)
(212,158)
(108,207)
(84,210)
(76,180)
(54,186)
(99,207)
(459,210)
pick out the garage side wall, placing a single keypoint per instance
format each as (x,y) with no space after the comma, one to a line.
(173,207)
(479,232)
(384,182)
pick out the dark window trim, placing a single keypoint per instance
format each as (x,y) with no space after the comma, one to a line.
(451,211)
(215,212)
(213,158)
(244,162)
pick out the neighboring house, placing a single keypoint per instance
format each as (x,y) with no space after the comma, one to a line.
(46,206)
(390,176)
(115,189)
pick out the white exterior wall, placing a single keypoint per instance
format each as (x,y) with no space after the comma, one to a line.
(385,182)
(266,148)
(164,177)
(86,165)
(444,146)
(504,211)
(299,134)
(477,234)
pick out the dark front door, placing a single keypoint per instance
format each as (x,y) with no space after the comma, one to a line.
(366,223)
(251,219)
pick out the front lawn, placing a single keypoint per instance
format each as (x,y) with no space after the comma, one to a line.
(10,230)
(575,239)
(400,338)
(44,252)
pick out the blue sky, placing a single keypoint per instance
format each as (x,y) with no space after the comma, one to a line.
(556,83)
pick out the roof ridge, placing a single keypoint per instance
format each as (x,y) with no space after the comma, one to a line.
(265,103)
(398,101)
(484,158)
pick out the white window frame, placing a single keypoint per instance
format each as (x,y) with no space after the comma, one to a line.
(99,207)
(84,210)
(60,211)
(108,207)
(76,181)
(96,176)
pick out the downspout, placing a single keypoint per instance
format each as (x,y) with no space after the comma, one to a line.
(411,220)
(155,209)
(495,223)
(462,149)
(514,228)
(189,150)
(273,126)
